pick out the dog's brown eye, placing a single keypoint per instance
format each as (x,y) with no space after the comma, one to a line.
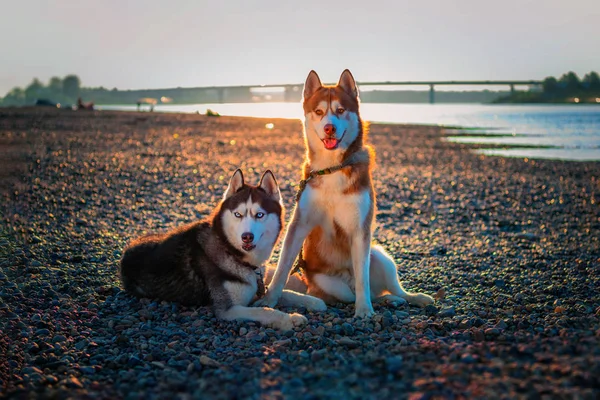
(340,110)
(319,112)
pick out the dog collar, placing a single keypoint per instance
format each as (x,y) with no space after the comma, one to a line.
(360,157)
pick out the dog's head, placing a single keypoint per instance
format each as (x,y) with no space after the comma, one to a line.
(250,217)
(332,121)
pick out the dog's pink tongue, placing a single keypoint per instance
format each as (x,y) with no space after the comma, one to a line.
(330,143)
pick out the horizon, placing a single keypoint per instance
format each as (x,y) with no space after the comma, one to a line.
(151,45)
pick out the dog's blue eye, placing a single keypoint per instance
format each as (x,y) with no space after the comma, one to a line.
(260,215)
(237,214)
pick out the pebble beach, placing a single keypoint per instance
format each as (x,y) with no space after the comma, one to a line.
(509,247)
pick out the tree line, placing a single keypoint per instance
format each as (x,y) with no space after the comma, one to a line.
(568,88)
(64,91)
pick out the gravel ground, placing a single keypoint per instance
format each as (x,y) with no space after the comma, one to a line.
(510,247)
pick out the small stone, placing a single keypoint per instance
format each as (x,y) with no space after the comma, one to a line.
(440,294)
(88,370)
(208,362)
(59,339)
(348,329)
(431,310)
(492,332)
(559,310)
(394,364)
(73,382)
(282,343)
(133,361)
(32,370)
(346,341)
(243,331)
(501,325)
(478,336)
(422,325)
(318,355)
(447,312)
(81,344)
(467,358)
(464,324)
(519,297)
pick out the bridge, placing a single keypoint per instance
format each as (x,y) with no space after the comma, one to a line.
(293,91)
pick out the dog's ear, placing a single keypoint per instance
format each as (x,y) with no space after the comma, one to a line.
(269,185)
(312,84)
(235,184)
(348,84)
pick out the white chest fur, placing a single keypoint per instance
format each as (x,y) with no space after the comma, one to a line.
(326,205)
(242,293)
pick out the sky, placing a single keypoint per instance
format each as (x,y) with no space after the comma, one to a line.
(131,44)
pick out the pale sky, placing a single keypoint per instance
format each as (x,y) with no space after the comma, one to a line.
(131,44)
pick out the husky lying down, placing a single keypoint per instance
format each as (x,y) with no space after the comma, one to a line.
(218,261)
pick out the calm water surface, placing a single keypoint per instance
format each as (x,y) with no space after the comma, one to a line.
(567,132)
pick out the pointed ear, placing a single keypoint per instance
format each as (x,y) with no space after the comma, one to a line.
(269,185)
(312,84)
(348,84)
(236,182)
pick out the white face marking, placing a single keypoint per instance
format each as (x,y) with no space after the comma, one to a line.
(246,218)
(346,125)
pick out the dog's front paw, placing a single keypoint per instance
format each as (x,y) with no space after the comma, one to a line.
(365,311)
(421,299)
(266,301)
(290,321)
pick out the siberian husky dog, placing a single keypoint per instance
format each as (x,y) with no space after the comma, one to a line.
(333,219)
(218,261)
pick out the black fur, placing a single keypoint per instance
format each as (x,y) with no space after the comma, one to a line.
(178,267)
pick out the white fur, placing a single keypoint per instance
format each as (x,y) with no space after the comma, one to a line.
(265,230)
(242,293)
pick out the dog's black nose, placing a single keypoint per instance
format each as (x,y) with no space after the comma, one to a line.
(247,237)
(329,129)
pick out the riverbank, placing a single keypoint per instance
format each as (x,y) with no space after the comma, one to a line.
(510,245)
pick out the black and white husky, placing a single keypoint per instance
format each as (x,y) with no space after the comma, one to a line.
(218,261)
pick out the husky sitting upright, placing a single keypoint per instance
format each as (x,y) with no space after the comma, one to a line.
(334,216)
(218,261)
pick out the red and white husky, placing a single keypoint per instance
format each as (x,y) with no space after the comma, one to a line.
(334,217)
